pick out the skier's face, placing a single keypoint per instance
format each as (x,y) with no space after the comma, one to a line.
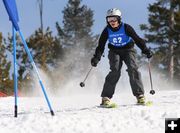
(113,21)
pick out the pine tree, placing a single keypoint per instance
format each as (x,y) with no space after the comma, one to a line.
(45,49)
(46,52)
(163,31)
(6,84)
(76,36)
(21,55)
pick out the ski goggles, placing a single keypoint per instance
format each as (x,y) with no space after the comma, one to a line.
(112,19)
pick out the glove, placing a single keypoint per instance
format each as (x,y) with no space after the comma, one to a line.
(148,53)
(94,61)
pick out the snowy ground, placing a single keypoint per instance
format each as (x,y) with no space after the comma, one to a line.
(80,114)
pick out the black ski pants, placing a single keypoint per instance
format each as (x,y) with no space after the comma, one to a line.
(116,58)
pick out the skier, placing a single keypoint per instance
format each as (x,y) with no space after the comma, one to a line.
(121,39)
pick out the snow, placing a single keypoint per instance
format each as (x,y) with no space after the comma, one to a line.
(76,109)
(79,113)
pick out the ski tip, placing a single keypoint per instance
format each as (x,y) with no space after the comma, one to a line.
(149,103)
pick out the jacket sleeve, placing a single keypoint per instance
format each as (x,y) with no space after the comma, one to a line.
(101,44)
(139,41)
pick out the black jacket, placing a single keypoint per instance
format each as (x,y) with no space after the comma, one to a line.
(129,31)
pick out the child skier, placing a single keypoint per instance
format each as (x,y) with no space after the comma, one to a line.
(121,38)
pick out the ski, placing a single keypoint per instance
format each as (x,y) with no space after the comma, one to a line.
(148,103)
(112,105)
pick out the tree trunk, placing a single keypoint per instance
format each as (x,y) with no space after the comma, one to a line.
(171,47)
(171,63)
(40,2)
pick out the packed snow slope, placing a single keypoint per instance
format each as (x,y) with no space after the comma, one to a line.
(81,114)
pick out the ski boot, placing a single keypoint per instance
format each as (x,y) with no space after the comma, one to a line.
(106,103)
(141,100)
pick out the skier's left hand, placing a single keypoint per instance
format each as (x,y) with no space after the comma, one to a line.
(94,61)
(148,53)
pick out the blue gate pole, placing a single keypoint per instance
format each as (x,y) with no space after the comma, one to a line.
(36,70)
(15,72)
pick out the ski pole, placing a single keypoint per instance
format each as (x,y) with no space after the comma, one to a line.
(82,84)
(152,91)
(15,73)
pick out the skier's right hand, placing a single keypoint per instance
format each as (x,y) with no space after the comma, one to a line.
(148,52)
(94,61)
